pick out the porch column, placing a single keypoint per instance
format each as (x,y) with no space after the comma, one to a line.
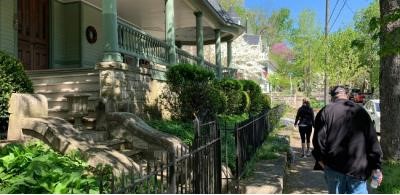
(110,35)
(170,30)
(218,52)
(112,69)
(199,37)
(229,51)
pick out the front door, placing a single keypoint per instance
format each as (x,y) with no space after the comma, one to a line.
(33,34)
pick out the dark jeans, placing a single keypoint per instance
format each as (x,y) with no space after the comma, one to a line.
(339,183)
(305,132)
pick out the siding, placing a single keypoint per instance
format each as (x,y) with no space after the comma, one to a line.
(91,53)
(66,36)
(8,37)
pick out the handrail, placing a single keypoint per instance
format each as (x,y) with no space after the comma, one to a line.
(138,43)
(184,57)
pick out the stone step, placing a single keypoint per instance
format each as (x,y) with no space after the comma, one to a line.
(116,144)
(130,152)
(95,136)
(62,106)
(66,87)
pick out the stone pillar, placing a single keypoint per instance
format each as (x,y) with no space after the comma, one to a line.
(229,51)
(113,89)
(110,25)
(170,30)
(199,37)
(218,53)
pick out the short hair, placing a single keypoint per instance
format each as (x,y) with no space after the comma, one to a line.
(338,89)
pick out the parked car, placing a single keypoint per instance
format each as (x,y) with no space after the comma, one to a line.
(357,96)
(374,110)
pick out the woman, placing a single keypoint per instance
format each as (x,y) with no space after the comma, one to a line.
(305,117)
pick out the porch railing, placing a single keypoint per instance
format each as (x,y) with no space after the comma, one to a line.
(135,42)
(183,57)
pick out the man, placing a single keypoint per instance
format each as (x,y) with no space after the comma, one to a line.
(346,145)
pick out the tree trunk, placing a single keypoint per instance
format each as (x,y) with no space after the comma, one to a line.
(390,79)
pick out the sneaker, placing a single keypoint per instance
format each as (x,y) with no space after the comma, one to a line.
(309,153)
(303,155)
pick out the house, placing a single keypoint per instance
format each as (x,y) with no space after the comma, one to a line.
(115,51)
(249,58)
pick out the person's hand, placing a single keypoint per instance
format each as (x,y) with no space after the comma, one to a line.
(322,164)
(379,174)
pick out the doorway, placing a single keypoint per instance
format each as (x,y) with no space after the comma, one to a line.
(33,34)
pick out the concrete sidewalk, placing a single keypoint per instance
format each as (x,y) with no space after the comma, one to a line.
(273,176)
(301,178)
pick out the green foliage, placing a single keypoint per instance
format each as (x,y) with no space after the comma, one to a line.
(234,95)
(228,122)
(35,168)
(12,79)
(182,130)
(257,101)
(273,147)
(191,92)
(390,183)
(244,102)
(316,104)
(275,115)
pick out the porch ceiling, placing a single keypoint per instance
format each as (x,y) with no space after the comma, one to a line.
(149,15)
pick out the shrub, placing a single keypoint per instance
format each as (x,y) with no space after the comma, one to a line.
(190,92)
(257,101)
(12,79)
(235,97)
(180,129)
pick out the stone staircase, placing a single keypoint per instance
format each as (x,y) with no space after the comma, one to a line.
(56,83)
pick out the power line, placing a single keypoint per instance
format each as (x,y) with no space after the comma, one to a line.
(348,7)
(340,11)
(333,11)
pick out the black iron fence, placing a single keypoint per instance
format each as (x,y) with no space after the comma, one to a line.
(197,170)
(249,136)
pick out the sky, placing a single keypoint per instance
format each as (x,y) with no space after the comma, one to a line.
(296,6)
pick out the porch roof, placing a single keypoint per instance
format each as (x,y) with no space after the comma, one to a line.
(149,15)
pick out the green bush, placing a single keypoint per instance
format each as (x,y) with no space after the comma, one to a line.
(233,91)
(182,130)
(12,79)
(257,101)
(191,92)
(245,102)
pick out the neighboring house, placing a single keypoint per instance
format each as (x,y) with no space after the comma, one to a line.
(250,58)
(115,51)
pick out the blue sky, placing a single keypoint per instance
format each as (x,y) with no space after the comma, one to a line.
(296,6)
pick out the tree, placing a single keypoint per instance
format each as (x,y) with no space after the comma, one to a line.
(365,43)
(306,43)
(390,77)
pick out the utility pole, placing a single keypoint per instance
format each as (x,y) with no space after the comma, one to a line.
(326,51)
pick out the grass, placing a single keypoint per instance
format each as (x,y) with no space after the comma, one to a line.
(271,149)
(182,130)
(391,176)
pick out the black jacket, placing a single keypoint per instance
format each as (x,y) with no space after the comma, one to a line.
(345,139)
(305,116)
